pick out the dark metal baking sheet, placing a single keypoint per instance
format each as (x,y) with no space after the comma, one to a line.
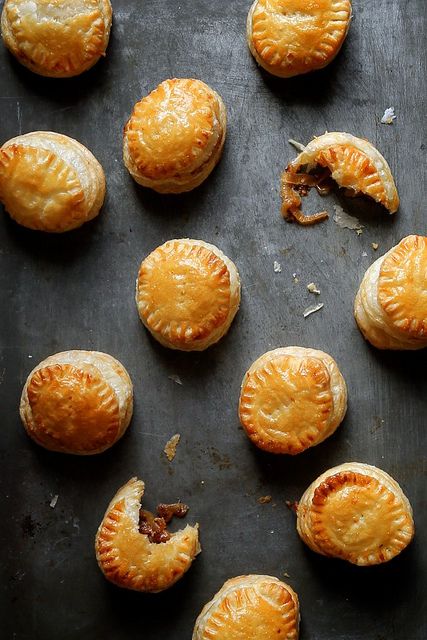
(76,291)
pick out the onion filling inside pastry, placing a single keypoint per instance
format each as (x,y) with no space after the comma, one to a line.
(155,527)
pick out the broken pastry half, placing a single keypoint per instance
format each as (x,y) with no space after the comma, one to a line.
(175,136)
(57,38)
(135,550)
(291,37)
(391,305)
(78,402)
(187,294)
(352,163)
(252,606)
(291,399)
(50,182)
(355,512)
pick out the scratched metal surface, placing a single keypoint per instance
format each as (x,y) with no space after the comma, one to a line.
(76,291)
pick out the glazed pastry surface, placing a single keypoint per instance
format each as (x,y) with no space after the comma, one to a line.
(355,512)
(291,399)
(50,182)
(291,37)
(187,294)
(78,402)
(175,135)
(127,558)
(57,38)
(254,606)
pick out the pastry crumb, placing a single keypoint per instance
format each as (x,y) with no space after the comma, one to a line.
(52,503)
(389,116)
(346,221)
(298,145)
(359,232)
(264,499)
(277,267)
(286,574)
(313,309)
(374,245)
(171,445)
(294,275)
(175,378)
(313,288)
(364,254)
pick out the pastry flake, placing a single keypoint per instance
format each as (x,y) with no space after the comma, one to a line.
(77,402)
(353,163)
(292,399)
(355,512)
(57,38)
(128,558)
(187,294)
(175,135)
(50,182)
(291,37)
(253,606)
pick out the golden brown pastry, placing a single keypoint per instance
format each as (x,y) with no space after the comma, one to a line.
(292,399)
(57,38)
(77,402)
(175,135)
(250,608)
(50,182)
(290,37)
(355,512)
(128,558)
(187,294)
(353,163)
(391,304)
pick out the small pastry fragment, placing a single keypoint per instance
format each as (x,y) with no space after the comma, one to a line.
(291,399)
(57,38)
(78,402)
(353,163)
(291,37)
(252,606)
(355,512)
(391,305)
(187,294)
(50,182)
(175,136)
(133,548)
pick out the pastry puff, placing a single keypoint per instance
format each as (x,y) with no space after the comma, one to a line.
(57,38)
(175,135)
(292,399)
(127,558)
(187,294)
(50,182)
(248,608)
(77,402)
(356,512)
(290,37)
(354,163)
(391,304)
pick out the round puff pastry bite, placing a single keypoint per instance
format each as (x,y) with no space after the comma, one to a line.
(291,399)
(77,402)
(187,294)
(353,163)
(175,136)
(290,37)
(391,304)
(355,512)
(250,607)
(133,548)
(50,182)
(57,38)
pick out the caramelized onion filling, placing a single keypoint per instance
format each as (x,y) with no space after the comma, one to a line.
(296,185)
(155,527)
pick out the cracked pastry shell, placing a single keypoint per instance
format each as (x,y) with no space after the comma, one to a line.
(187,294)
(391,305)
(253,606)
(354,164)
(78,402)
(175,136)
(355,512)
(291,399)
(57,38)
(291,37)
(127,558)
(50,182)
